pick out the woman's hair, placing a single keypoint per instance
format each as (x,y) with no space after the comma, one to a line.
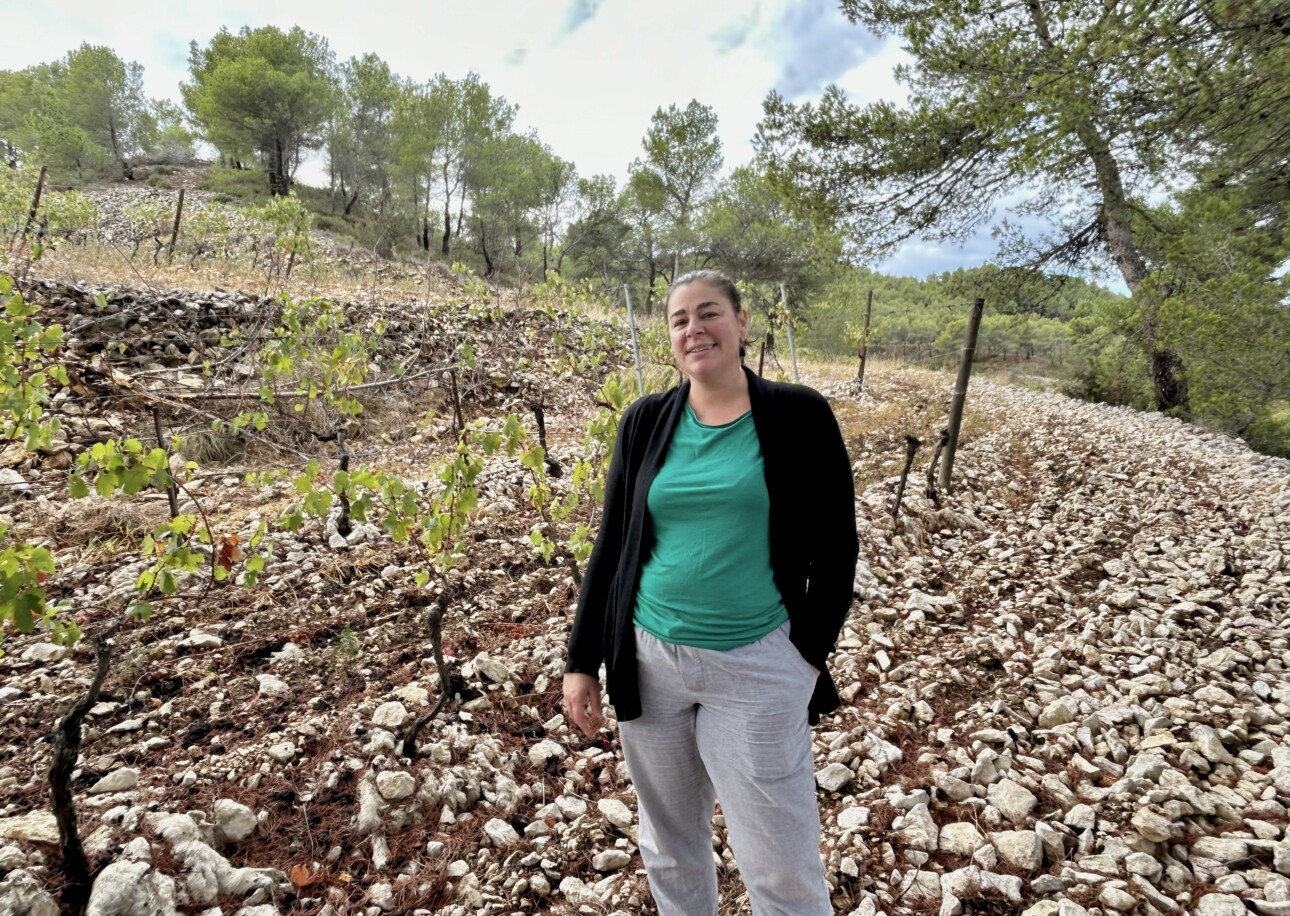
(712,278)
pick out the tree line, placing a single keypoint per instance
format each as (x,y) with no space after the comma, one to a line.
(1146,138)
(437,166)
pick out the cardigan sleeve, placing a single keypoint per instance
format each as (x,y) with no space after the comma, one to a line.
(586,649)
(835,547)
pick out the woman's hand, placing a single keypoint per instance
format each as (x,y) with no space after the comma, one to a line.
(582,701)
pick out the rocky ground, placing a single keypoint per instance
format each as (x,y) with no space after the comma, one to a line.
(1065,682)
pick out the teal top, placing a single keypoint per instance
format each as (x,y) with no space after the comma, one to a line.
(708,581)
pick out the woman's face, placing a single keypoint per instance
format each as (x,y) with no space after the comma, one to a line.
(706,330)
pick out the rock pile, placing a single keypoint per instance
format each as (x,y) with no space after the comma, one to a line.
(199,357)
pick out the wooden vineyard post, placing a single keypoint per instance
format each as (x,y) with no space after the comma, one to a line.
(960,392)
(172,492)
(864,340)
(174,232)
(911,446)
(931,468)
(343,527)
(460,423)
(35,201)
(788,324)
(636,350)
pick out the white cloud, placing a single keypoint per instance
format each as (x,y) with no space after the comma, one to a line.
(586,74)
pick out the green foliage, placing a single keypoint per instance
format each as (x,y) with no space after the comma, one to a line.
(83,115)
(112,468)
(26,370)
(1074,115)
(285,235)
(574,505)
(316,355)
(682,159)
(360,142)
(262,91)
(746,227)
(432,518)
(61,214)
(103,96)
(232,184)
(23,604)
(1224,304)
(923,320)
(346,649)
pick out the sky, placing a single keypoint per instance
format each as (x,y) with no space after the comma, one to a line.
(586,74)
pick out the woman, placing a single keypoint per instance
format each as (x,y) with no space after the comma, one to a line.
(718,584)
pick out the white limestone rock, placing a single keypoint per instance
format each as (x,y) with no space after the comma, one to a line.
(834,776)
(500,833)
(272,686)
(853,818)
(283,752)
(961,838)
(1114,898)
(1020,849)
(33,827)
(395,785)
(391,715)
(132,889)
(493,670)
(610,860)
(546,751)
(21,893)
(615,812)
(45,652)
(122,780)
(1220,905)
(207,874)
(1013,800)
(234,821)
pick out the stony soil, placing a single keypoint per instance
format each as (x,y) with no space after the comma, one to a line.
(1065,682)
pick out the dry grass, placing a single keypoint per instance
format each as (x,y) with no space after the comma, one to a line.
(320,274)
(97,522)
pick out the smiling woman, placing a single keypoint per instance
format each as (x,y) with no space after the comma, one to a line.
(708,328)
(714,594)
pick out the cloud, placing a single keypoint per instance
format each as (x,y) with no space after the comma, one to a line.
(734,34)
(814,45)
(921,259)
(577,14)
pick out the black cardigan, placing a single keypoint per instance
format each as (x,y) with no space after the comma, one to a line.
(813,544)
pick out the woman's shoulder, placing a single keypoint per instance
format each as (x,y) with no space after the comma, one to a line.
(789,395)
(650,406)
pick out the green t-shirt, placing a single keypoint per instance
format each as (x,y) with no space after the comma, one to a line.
(708,580)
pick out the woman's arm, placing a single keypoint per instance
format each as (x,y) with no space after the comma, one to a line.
(835,547)
(586,649)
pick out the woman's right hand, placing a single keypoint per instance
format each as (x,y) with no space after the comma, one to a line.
(582,701)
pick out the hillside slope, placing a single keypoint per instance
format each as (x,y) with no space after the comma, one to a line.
(1066,683)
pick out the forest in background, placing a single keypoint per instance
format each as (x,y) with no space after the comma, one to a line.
(1156,131)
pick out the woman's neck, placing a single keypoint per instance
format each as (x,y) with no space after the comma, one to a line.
(718,401)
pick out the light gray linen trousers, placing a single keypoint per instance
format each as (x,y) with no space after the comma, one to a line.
(728,725)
